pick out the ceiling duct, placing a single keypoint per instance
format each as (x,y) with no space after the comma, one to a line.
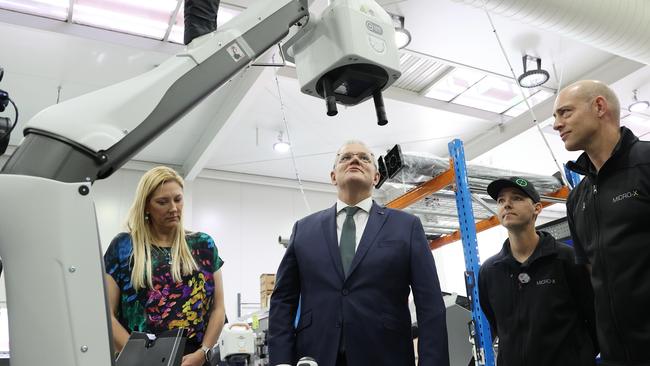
(618,27)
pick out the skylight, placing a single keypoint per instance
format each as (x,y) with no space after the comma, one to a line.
(56,9)
(492,94)
(147,18)
(454,83)
(485,91)
(539,96)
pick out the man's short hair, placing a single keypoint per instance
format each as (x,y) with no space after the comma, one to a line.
(590,89)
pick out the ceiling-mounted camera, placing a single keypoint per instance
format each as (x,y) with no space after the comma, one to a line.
(389,165)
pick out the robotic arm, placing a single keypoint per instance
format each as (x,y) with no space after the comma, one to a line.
(90,137)
(58,312)
(346,56)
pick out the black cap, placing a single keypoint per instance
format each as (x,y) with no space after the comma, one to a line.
(521,184)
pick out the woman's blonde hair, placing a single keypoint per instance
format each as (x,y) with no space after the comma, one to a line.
(141,235)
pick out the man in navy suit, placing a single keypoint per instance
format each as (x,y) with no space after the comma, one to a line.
(351,267)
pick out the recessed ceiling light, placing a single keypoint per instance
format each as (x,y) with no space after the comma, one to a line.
(281,145)
(402,36)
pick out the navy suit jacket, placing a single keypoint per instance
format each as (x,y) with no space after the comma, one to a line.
(369,307)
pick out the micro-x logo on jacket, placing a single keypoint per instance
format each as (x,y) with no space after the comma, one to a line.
(546,281)
(626,195)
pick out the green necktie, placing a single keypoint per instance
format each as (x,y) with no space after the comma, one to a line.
(348,238)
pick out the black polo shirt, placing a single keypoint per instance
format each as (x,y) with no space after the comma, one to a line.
(542,309)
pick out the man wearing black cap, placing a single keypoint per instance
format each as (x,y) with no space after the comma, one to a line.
(536,299)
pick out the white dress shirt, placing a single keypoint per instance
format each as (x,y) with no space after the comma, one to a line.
(360,218)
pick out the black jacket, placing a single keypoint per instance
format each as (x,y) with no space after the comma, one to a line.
(546,319)
(609,217)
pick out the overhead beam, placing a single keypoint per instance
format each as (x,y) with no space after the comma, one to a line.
(406,96)
(611,71)
(218,129)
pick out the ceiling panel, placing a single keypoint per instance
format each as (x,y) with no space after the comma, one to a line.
(48,63)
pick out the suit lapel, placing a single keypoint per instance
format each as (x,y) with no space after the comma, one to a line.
(331,240)
(376,219)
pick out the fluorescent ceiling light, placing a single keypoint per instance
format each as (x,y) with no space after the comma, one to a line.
(492,93)
(56,9)
(149,18)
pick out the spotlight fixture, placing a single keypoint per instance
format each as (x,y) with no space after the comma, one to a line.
(638,105)
(402,36)
(281,145)
(532,78)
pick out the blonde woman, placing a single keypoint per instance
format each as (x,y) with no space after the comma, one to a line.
(160,276)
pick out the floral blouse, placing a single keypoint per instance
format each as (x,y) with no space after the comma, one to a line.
(169,304)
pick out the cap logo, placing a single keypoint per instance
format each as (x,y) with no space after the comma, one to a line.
(521,182)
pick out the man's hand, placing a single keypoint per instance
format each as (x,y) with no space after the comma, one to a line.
(194,359)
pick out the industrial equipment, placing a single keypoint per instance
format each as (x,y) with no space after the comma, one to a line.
(46,183)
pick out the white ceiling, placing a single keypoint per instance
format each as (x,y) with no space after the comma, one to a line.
(47,60)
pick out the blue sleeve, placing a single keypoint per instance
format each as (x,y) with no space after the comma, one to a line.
(217,262)
(117,257)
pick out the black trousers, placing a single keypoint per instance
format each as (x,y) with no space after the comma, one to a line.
(341,360)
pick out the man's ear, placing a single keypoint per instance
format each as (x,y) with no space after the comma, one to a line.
(333,177)
(601,106)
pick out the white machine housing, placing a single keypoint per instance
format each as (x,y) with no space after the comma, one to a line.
(347,32)
(236,339)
